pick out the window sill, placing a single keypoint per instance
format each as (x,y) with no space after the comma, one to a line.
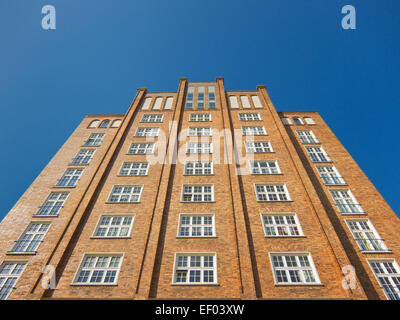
(197,174)
(66,187)
(280,237)
(94,284)
(267,174)
(195,284)
(196,237)
(377,251)
(198,201)
(95,237)
(274,200)
(133,175)
(45,216)
(127,202)
(335,184)
(21,253)
(316,284)
(352,213)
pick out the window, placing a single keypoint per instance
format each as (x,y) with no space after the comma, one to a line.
(286,121)
(99,269)
(94,124)
(70,178)
(141,148)
(245,101)
(130,193)
(317,154)
(346,201)
(307,136)
(253,131)
(104,124)
(31,238)
(9,275)
(365,235)
(114,226)
(157,103)
(116,123)
(197,193)
(211,97)
(199,167)
(200,97)
(309,120)
(134,169)
(94,140)
(195,268)
(233,101)
(264,167)
(272,192)
(152,118)
(249,117)
(330,175)
(387,272)
(199,131)
(297,121)
(53,204)
(168,103)
(147,132)
(194,147)
(281,225)
(291,268)
(256,101)
(199,117)
(146,104)
(84,156)
(189,98)
(258,147)
(196,225)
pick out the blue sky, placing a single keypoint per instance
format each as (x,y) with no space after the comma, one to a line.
(101,51)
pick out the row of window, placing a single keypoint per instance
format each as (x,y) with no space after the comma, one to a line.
(298,121)
(159,103)
(200,100)
(105,123)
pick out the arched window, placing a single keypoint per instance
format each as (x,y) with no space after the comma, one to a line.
(116,123)
(104,123)
(94,124)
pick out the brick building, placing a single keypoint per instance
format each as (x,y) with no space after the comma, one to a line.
(201,193)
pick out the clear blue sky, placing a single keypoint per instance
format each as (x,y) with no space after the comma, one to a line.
(101,51)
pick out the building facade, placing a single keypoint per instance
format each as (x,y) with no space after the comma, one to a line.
(201,193)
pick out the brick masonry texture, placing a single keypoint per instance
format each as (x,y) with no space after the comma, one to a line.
(242,250)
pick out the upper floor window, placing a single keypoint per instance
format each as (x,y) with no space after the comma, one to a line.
(99,269)
(365,235)
(297,121)
(258,146)
(168,103)
(189,98)
(147,103)
(195,268)
(196,225)
(200,97)
(129,193)
(307,136)
(31,238)
(104,123)
(345,201)
(84,156)
(233,101)
(281,225)
(211,97)
(147,132)
(309,120)
(116,226)
(253,131)
(201,147)
(152,117)
(53,204)
(272,192)
(198,117)
(10,271)
(264,167)
(249,117)
(197,193)
(330,175)
(70,178)
(141,148)
(94,124)
(245,101)
(199,131)
(134,169)
(157,103)
(294,268)
(116,123)
(387,272)
(256,101)
(317,154)
(199,167)
(286,121)
(94,139)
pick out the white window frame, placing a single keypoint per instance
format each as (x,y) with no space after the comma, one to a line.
(309,120)
(249,116)
(362,235)
(200,117)
(30,240)
(196,168)
(286,121)
(84,156)
(92,270)
(199,132)
(148,148)
(200,147)
(274,193)
(70,178)
(94,140)
(254,131)
(391,285)
(193,193)
(8,280)
(350,201)
(189,268)
(254,146)
(114,228)
(307,136)
(255,164)
(300,120)
(287,268)
(152,118)
(52,203)
(192,226)
(317,154)
(329,175)
(147,132)
(131,195)
(142,170)
(281,230)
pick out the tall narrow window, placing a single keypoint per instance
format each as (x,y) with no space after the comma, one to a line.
(168,103)
(256,101)
(189,98)
(116,226)
(157,103)
(211,97)
(272,192)
(197,193)
(94,140)
(84,156)
(147,103)
(233,101)
(317,154)
(31,238)
(70,178)
(387,272)
(196,225)
(130,193)
(99,269)
(281,225)
(195,268)
(53,204)
(365,235)
(200,97)
(307,136)
(330,175)
(9,274)
(346,202)
(104,124)
(245,101)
